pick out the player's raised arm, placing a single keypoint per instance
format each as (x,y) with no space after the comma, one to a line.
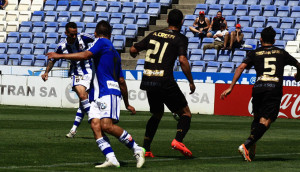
(236,77)
(48,69)
(85,55)
(186,69)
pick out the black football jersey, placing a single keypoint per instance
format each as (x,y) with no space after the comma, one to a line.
(269,62)
(162,49)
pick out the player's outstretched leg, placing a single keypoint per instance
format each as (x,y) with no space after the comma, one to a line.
(78,118)
(139,152)
(111,160)
(151,129)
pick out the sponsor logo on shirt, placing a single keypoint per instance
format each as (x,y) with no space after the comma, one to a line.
(113,85)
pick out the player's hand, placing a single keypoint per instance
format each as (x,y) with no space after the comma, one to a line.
(225,93)
(45,76)
(192,88)
(297,77)
(52,55)
(131,109)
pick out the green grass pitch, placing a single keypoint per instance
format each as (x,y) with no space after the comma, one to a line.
(33,139)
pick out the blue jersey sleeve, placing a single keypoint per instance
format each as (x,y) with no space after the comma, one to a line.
(58,49)
(87,38)
(96,47)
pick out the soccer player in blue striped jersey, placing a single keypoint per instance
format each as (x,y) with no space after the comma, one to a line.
(81,71)
(108,87)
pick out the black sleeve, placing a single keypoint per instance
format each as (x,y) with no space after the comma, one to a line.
(142,45)
(290,60)
(249,59)
(182,48)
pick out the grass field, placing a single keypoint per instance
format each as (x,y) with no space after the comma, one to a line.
(33,139)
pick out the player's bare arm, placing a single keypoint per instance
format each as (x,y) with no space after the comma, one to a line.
(85,55)
(133,52)
(236,77)
(186,69)
(124,91)
(48,69)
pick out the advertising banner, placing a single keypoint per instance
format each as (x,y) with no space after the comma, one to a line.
(32,71)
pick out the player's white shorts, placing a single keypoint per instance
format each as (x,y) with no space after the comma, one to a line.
(84,80)
(107,106)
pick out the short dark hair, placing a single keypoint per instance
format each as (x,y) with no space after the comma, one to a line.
(71,25)
(268,35)
(103,28)
(175,18)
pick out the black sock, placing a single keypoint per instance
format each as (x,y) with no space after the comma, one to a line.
(183,127)
(151,128)
(257,131)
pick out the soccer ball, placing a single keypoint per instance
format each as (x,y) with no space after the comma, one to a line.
(176,116)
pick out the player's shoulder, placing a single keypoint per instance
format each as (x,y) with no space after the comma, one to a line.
(62,43)
(86,35)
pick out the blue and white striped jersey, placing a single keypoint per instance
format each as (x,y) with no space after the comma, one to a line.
(108,69)
(77,67)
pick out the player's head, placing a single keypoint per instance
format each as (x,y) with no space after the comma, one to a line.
(175,18)
(103,28)
(268,35)
(219,14)
(71,32)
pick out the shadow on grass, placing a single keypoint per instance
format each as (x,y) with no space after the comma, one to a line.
(177,157)
(260,159)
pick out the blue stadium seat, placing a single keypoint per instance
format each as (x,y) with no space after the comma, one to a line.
(51,16)
(51,27)
(90,28)
(227,67)
(103,16)
(51,48)
(206,41)
(37,16)
(252,42)
(228,9)
(50,6)
(238,56)
(245,21)
(129,18)
(182,30)
(293,3)
(193,43)
(62,6)
(40,49)
(52,38)
(39,37)
(295,12)
(287,23)
(140,64)
(236,2)
(259,21)
(252,2)
(198,66)
(196,54)
(210,55)
(141,8)
(266,2)
(76,16)
(127,7)
(283,11)
(224,56)
(166,3)
(14,59)
(27,49)
(279,3)
(269,10)
(255,10)
(211,2)
(63,16)
(231,21)
(151,1)
(189,20)
(297,23)
(41,60)
(114,7)
(131,30)
(13,48)
(80,26)
(258,32)
(241,10)
(116,18)
(118,29)
(248,32)
(13,37)
(61,27)
(213,9)
(119,42)
(280,43)
(88,6)
(25,26)
(154,9)
(102,6)
(279,33)
(212,66)
(3,59)
(232,28)
(201,7)
(90,17)
(26,37)
(27,60)
(38,26)
(273,21)
(3,48)
(143,20)
(75,6)
(289,34)
(223,2)
(64,63)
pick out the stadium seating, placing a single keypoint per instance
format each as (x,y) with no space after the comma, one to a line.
(206,41)
(51,48)
(90,28)
(128,7)
(14,59)
(51,27)
(116,18)
(102,6)
(273,21)
(3,26)
(266,2)
(76,16)
(231,20)
(198,66)
(27,60)
(50,6)
(248,32)
(193,43)
(238,56)
(24,16)
(279,3)
(131,30)
(13,37)
(269,10)
(228,9)
(38,26)
(114,7)
(27,49)
(90,17)
(196,54)
(40,49)
(3,59)
(75,6)
(227,67)
(12,15)
(39,37)
(26,37)
(37,16)
(13,48)
(241,10)
(141,8)
(140,64)
(189,20)
(103,16)
(280,44)
(245,21)
(224,56)
(3,48)
(118,29)
(295,12)
(289,34)
(213,9)
(129,18)
(37,5)
(223,2)
(12,5)
(62,5)
(252,2)
(2,37)
(210,55)
(143,20)
(212,66)
(258,21)
(61,27)
(52,38)
(154,9)
(293,3)
(287,23)
(63,16)
(41,60)
(255,10)
(201,7)
(119,42)
(88,6)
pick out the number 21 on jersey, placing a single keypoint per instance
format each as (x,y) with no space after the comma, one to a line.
(155,51)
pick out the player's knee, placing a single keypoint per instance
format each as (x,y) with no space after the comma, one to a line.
(82,96)
(107,128)
(95,125)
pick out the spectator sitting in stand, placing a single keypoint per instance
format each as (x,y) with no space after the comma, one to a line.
(201,25)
